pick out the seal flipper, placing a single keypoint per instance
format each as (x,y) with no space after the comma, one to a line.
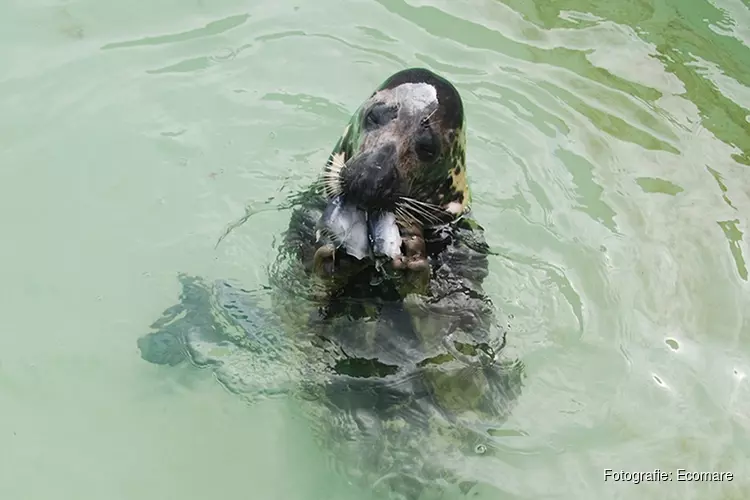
(167,344)
(164,347)
(226,329)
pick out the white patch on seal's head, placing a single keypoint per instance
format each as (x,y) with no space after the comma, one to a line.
(413,98)
(417,96)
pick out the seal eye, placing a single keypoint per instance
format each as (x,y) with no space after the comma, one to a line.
(379,115)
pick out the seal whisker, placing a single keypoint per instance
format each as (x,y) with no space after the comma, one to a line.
(428,211)
(437,210)
(419,213)
(331,178)
(405,218)
(424,203)
(406,210)
(426,119)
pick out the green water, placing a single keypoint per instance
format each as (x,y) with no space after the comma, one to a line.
(609,149)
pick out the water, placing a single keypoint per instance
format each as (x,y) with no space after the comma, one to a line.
(609,148)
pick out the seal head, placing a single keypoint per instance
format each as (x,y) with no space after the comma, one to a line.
(403,151)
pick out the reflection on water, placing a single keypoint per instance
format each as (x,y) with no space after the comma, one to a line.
(609,147)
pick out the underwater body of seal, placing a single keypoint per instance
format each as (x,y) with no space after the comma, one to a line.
(608,155)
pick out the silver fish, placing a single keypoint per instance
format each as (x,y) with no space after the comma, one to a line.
(384,234)
(361,234)
(343,224)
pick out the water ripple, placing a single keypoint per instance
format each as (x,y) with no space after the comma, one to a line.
(210,29)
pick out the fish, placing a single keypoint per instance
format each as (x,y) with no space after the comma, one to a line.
(385,236)
(344,225)
(360,233)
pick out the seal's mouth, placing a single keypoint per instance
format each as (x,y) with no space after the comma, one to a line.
(372,182)
(362,212)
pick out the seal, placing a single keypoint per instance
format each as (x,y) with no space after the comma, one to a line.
(379,321)
(403,152)
(415,332)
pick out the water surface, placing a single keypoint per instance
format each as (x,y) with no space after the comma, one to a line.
(609,149)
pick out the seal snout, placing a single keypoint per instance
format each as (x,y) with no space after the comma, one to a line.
(371,179)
